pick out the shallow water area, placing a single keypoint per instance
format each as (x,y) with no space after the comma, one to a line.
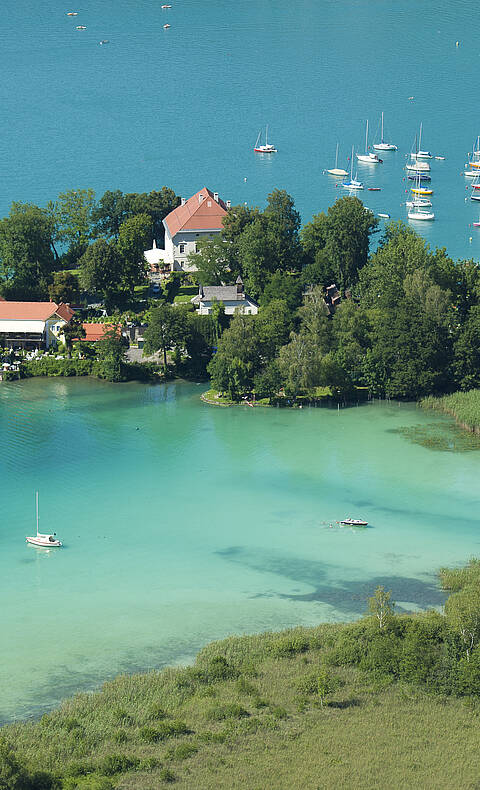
(183,523)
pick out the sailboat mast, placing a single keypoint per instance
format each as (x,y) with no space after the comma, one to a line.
(420,138)
(336,157)
(36,503)
(382,127)
(266,134)
(366,137)
(351,167)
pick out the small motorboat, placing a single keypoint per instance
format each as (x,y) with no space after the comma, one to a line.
(104,41)
(476,224)
(166,6)
(374,189)
(165,27)
(72,13)
(383,215)
(440,158)
(81,27)
(354,522)
(43,539)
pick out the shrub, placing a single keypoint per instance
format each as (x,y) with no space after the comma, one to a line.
(217,669)
(165,775)
(156,712)
(279,713)
(149,764)
(120,736)
(163,731)
(113,764)
(289,646)
(123,717)
(92,782)
(182,751)
(212,737)
(231,710)
(244,687)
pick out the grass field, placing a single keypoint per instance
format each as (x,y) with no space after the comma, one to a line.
(249,715)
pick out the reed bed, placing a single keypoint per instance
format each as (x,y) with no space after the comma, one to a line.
(463,406)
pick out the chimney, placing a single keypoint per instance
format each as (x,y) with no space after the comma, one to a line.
(229,204)
(183,201)
(215,197)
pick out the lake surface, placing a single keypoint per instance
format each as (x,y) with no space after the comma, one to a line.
(183,106)
(183,523)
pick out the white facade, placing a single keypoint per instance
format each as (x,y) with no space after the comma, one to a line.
(246,307)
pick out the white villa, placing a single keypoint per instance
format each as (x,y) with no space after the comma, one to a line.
(233,298)
(199,217)
(32,325)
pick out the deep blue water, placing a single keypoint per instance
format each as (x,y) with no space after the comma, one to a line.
(183,106)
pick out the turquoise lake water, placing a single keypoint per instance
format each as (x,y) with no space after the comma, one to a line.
(183,523)
(183,106)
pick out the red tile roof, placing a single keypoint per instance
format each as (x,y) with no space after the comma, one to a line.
(33,311)
(94,332)
(65,312)
(200,212)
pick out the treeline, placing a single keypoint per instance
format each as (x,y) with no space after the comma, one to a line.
(408,324)
(103,241)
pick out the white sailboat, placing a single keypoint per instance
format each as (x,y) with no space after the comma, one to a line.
(353,183)
(476,188)
(268,148)
(382,145)
(419,154)
(418,212)
(42,539)
(368,157)
(417,165)
(337,171)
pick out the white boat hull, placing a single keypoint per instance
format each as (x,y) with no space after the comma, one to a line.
(418,203)
(366,159)
(421,215)
(336,171)
(385,147)
(46,541)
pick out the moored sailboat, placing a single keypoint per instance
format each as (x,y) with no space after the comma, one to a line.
(43,539)
(337,171)
(382,145)
(368,157)
(353,183)
(268,148)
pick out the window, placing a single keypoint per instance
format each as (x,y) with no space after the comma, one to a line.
(181,249)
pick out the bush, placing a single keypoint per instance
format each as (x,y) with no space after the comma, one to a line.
(113,764)
(165,775)
(217,669)
(182,751)
(289,646)
(91,782)
(231,710)
(163,731)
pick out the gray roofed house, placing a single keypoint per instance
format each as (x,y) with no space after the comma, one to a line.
(233,297)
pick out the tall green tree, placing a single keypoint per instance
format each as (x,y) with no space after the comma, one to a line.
(211,262)
(156,204)
(27,252)
(166,330)
(283,224)
(64,287)
(72,331)
(111,356)
(133,238)
(72,213)
(110,212)
(238,359)
(100,271)
(349,228)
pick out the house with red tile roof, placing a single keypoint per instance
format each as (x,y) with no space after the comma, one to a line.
(96,332)
(199,217)
(32,325)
